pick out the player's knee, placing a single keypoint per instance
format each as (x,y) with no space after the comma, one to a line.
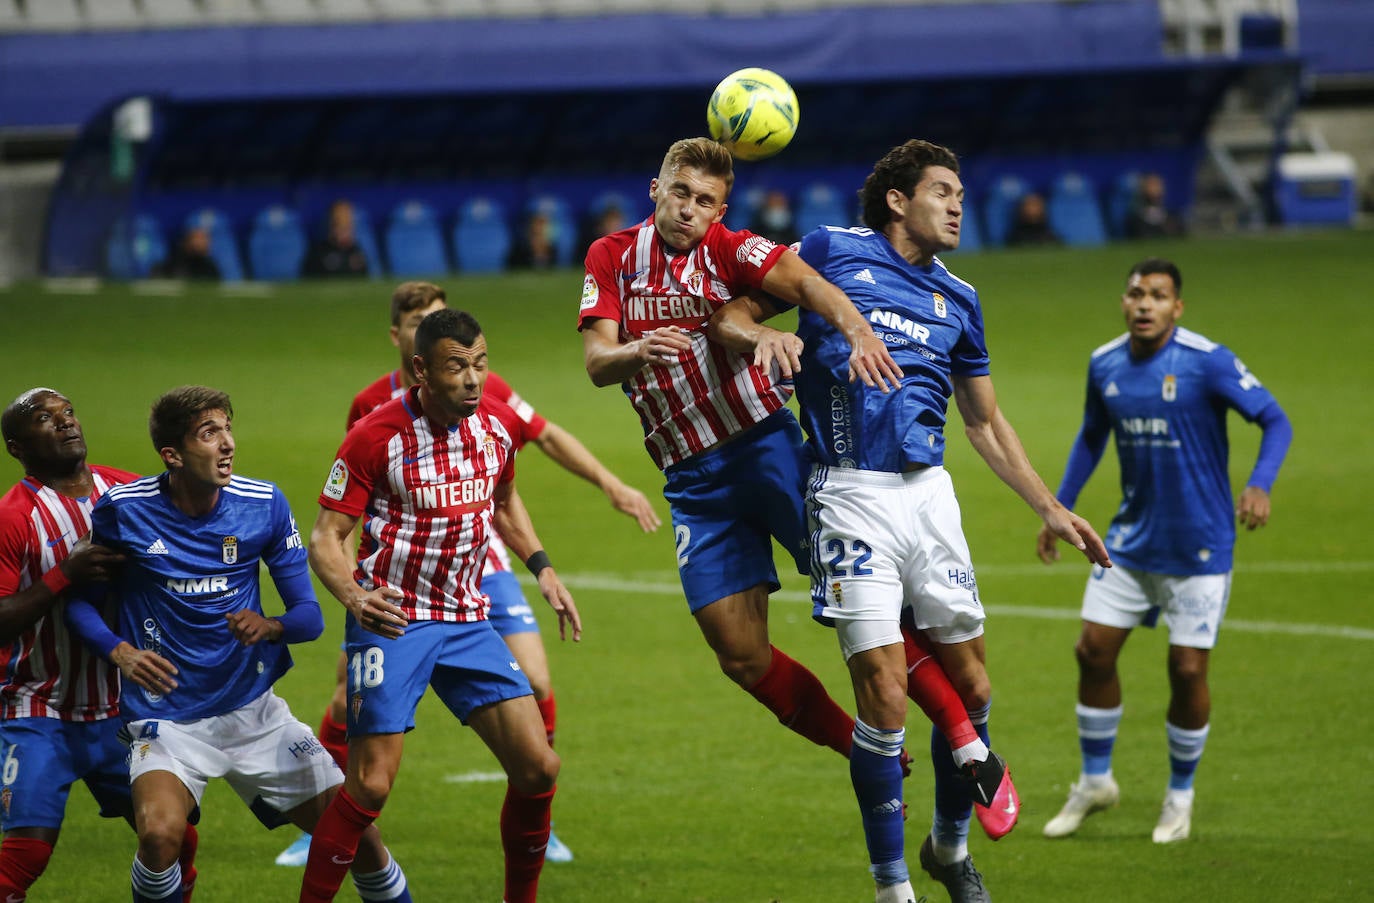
(159,842)
(1187,669)
(745,667)
(538,774)
(1093,660)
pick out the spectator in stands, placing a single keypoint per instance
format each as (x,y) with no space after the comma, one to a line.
(1149,217)
(773,220)
(1032,224)
(338,253)
(610,218)
(190,259)
(535,248)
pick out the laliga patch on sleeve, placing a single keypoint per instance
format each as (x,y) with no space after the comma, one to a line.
(590,292)
(337,483)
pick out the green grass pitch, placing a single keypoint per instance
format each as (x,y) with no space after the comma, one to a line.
(676,786)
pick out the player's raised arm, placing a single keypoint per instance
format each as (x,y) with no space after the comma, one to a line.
(512,521)
(796,281)
(739,326)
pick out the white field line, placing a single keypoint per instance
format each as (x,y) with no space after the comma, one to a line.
(476,777)
(665,584)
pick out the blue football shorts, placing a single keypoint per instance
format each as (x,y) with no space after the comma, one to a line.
(40,759)
(510,613)
(728,505)
(468,665)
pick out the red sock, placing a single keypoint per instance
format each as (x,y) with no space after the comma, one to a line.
(929,687)
(334,739)
(189,841)
(333,845)
(548,710)
(798,699)
(524,835)
(22,860)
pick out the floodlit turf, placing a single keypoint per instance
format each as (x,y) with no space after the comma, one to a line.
(676,786)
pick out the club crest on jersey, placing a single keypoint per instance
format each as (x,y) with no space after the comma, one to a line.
(338,480)
(230,549)
(590,292)
(939,300)
(489,449)
(357,705)
(1169,391)
(837,593)
(694,282)
(6,797)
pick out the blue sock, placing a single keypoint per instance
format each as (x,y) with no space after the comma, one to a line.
(155,887)
(953,805)
(387,885)
(1097,736)
(876,771)
(1185,751)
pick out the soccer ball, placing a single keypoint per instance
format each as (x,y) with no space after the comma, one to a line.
(754,113)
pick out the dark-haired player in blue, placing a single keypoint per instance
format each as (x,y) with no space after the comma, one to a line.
(886,537)
(1165,391)
(198,655)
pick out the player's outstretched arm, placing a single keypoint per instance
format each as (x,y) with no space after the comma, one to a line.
(570,454)
(796,281)
(512,521)
(738,326)
(20,610)
(610,361)
(992,436)
(375,610)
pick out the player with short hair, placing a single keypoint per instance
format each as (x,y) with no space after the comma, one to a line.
(59,704)
(198,692)
(1164,391)
(510,613)
(435,475)
(887,540)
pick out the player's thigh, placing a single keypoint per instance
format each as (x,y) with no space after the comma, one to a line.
(514,732)
(36,773)
(1120,597)
(938,579)
(388,677)
(736,626)
(858,551)
(476,668)
(277,762)
(105,767)
(1194,607)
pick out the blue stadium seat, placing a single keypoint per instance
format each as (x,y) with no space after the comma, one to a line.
(999,211)
(564,227)
(224,248)
(276,244)
(367,240)
(136,245)
(414,242)
(820,205)
(1119,200)
(481,238)
(1074,213)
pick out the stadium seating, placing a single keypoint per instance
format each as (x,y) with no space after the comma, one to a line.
(54,14)
(1120,197)
(999,210)
(135,246)
(970,230)
(276,244)
(481,238)
(820,205)
(113,14)
(171,12)
(223,246)
(1074,213)
(414,242)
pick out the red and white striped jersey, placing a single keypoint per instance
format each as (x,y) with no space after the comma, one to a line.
(427,493)
(520,418)
(710,393)
(47,672)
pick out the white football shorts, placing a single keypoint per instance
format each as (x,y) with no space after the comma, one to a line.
(882,542)
(265,754)
(1192,606)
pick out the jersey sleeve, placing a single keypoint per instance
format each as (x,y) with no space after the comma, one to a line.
(814,248)
(285,548)
(1228,377)
(355,473)
(969,357)
(105,524)
(531,425)
(600,288)
(743,258)
(16,549)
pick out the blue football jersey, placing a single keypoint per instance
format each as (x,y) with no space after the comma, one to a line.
(182,575)
(932,325)
(1168,413)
